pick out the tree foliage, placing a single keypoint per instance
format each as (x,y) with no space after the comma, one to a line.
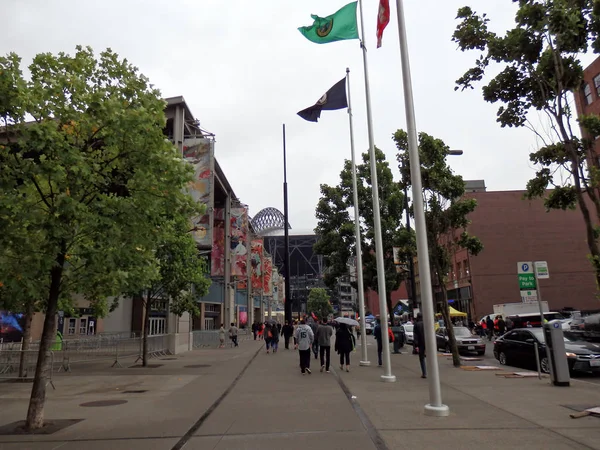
(539,71)
(335,226)
(318,303)
(87,174)
(446,213)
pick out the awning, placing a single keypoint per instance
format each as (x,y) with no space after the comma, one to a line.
(454,313)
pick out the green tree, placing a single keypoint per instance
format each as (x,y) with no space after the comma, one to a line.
(182,275)
(335,227)
(446,211)
(86,169)
(539,69)
(318,302)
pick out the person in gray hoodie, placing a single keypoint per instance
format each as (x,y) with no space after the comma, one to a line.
(324,333)
(304,339)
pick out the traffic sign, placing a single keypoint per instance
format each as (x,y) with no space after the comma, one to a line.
(541,269)
(526,281)
(525,267)
(529,296)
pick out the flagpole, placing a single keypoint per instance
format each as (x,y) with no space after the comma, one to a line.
(286,259)
(435,407)
(364,360)
(383,315)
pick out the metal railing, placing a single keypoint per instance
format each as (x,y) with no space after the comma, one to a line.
(11,360)
(210,338)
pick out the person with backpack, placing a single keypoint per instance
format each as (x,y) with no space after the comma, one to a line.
(377,335)
(419,343)
(344,344)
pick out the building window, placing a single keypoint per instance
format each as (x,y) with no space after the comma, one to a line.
(587,92)
(72,323)
(82,326)
(597,84)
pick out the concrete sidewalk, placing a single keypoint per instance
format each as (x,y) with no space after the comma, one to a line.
(242,398)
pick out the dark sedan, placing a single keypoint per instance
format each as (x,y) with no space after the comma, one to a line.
(465,340)
(517,347)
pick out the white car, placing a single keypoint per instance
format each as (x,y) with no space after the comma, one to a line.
(408,331)
(369,326)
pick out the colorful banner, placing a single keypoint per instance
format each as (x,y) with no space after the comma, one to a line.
(256,262)
(243,316)
(239,239)
(268,272)
(217,257)
(199,152)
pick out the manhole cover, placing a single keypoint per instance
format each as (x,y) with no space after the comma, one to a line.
(149,366)
(141,391)
(100,403)
(197,366)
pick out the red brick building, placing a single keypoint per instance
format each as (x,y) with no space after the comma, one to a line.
(511,230)
(587,99)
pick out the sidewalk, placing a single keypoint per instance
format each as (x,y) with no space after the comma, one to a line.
(267,403)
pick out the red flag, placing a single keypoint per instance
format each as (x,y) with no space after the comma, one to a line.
(383,18)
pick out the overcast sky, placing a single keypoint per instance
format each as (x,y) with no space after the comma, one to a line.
(244,70)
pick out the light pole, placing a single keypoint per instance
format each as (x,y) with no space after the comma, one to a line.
(435,407)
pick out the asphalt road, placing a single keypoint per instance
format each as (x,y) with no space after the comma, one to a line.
(490,360)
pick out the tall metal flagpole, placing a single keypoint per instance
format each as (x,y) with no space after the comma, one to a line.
(387,368)
(364,360)
(435,406)
(286,260)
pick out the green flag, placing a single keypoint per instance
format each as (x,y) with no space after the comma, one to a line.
(336,27)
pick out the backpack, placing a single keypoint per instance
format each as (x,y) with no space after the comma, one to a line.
(390,336)
(269,334)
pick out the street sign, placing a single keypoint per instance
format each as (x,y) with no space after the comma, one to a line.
(526,281)
(541,269)
(529,296)
(525,267)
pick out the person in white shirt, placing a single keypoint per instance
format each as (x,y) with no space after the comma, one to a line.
(304,339)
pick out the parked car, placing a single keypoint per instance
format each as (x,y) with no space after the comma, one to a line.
(369,325)
(465,340)
(517,347)
(408,332)
(520,320)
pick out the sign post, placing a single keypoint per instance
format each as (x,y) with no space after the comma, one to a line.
(527,282)
(541,272)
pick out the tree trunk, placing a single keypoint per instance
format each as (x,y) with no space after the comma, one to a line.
(146,328)
(388,301)
(26,338)
(450,330)
(35,413)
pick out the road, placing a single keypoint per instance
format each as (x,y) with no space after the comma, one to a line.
(490,360)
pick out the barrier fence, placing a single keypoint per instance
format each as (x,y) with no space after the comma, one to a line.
(210,338)
(10,362)
(64,354)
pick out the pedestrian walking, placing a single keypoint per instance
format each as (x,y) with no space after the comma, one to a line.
(221,336)
(324,333)
(501,326)
(268,336)
(233,334)
(287,331)
(315,345)
(489,323)
(261,330)
(304,338)
(344,343)
(419,343)
(254,330)
(275,338)
(377,336)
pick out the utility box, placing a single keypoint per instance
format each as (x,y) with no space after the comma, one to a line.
(556,353)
